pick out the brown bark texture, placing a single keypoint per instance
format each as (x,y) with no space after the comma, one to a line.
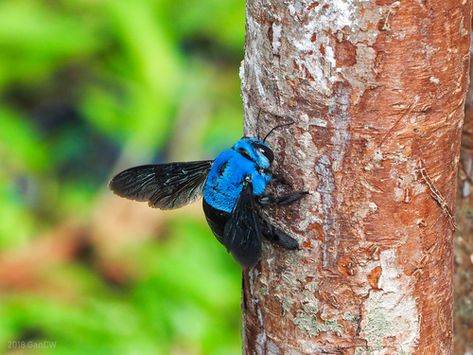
(463,311)
(376,89)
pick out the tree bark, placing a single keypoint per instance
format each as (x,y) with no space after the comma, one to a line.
(376,90)
(463,310)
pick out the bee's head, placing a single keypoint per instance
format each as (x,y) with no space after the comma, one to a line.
(255,150)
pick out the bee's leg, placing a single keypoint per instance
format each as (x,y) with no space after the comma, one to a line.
(279,179)
(287,199)
(277,236)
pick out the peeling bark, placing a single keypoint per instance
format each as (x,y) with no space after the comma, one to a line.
(376,90)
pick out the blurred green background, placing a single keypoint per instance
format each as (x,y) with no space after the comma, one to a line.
(89,87)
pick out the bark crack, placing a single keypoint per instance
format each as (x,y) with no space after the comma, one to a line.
(436,195)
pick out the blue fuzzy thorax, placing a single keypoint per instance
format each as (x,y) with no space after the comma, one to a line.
(228,172)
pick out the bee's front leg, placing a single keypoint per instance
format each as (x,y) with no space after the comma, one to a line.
(279,179)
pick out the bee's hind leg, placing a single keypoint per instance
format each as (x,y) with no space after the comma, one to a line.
(277,236)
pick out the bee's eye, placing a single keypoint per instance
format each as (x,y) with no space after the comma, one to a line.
(266,151)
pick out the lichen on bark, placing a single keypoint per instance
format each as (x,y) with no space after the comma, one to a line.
(376,90)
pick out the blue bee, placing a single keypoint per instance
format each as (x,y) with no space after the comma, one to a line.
(234,189)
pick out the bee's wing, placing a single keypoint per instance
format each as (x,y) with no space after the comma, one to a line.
(165,186)
(242,233)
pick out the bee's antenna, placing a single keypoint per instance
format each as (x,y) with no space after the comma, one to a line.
(274,128)
(257,119)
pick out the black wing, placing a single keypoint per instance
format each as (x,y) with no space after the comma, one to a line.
(165,186)
(242,233)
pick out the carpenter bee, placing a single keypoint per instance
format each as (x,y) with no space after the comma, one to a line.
(234,190)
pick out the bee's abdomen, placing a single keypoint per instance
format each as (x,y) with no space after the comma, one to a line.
(216,219)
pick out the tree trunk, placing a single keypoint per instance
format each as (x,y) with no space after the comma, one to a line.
(376,90)
(464,245)
(464,237)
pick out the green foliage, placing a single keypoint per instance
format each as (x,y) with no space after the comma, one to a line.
(88,87)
